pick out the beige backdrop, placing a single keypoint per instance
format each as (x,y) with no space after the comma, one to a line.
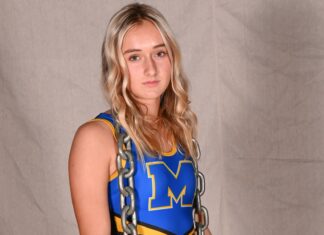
(256,71)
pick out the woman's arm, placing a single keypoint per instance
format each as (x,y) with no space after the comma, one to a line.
(92,151)
(207,232)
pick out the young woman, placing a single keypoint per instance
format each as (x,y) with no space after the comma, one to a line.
(148,95)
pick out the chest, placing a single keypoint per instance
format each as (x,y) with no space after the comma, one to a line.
(165,183)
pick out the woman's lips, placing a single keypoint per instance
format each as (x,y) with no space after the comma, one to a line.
(151,83)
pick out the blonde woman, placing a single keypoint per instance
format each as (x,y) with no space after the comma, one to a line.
(148,95)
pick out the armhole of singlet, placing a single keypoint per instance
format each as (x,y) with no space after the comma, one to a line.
(111,126)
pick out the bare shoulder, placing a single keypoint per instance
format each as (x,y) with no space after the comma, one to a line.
(93,143)
(94,131)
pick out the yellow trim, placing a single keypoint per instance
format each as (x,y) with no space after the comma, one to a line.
(115,173)
(170,193)
(141,229)
(118,224)
(110,125)
(192,232)
(181,194)
(172,151)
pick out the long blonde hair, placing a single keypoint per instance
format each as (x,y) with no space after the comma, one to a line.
(175,114)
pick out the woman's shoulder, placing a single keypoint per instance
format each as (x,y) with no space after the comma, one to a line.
(94,130)
(99,127)
(105,120)
(94,138)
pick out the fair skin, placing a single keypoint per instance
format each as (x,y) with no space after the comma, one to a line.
(94,149)
(148,65)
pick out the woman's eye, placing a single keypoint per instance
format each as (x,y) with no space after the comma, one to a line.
(162,53)
(134,58)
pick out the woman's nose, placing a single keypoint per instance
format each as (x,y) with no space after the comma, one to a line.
(150,67)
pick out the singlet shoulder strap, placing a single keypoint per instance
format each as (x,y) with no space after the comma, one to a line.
(108,119)
(106,116)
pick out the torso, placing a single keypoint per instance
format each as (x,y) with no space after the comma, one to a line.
(164,192)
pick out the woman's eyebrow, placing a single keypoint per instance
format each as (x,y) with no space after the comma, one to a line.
(159,45)
(134,50)
(131,50)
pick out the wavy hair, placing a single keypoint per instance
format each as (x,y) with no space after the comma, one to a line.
(175,115)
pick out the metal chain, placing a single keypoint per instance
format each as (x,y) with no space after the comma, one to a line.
(198,209)
(127,210)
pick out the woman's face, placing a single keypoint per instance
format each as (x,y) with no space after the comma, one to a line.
(148,62)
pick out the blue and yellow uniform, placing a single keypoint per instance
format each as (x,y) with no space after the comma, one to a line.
(164,192)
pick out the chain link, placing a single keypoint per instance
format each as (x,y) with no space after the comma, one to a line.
(201,223)
(124,172)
